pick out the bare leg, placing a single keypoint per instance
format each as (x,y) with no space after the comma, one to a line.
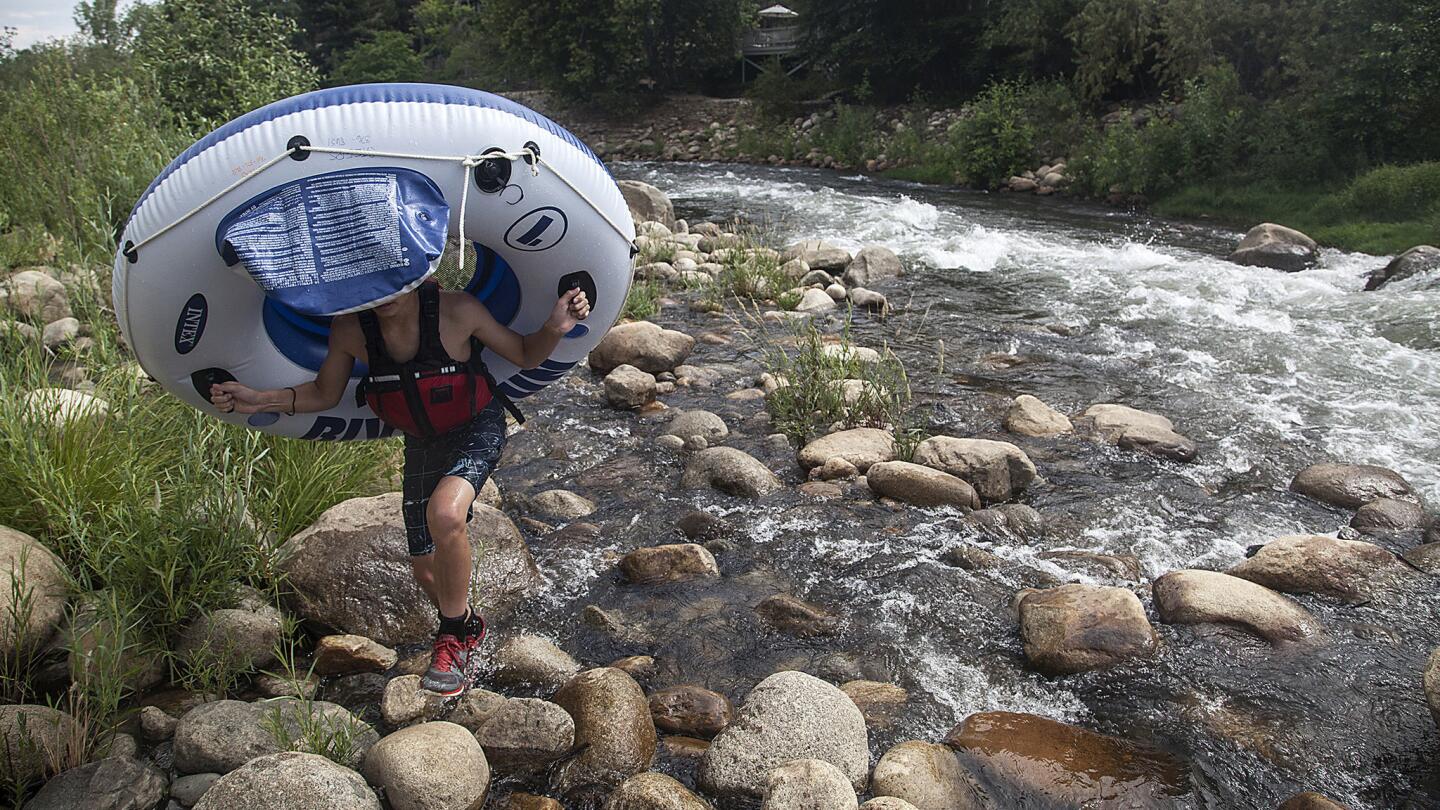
(424,568)
(451,561)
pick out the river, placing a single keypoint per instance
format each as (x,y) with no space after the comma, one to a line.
(1075,304)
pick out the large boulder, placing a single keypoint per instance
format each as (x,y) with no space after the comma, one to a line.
(114,783)
(676,562)
(927,776)
(998,470)
(526,735)
(1351,486)
(1031,761)
(787,716)
(35,295)
(239,638)
(290,781)
(430,766)
(647,203)
(1198,597)
(29,571)
(861,447)
(1413,262)
(350,570)
(731,471)
(654,791)
(1271,245)
(808,784)
(1389,515)
(873,263)
(1348,570)
(1431,681)
(613,729)
(627,387)
(220,736)
(1132,429)
(1076,628)
(644,345)
(818,255)
(704,424)
(1028,416)
(920,485)
(33,739)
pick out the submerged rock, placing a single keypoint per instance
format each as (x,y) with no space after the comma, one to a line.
(644,345)
(1102,566)
(861,447)
(998,470)
(797,617)
(808,784)
(1350,486)
(654,791)
(1076,628)
(787,716)
(1028,416)
(920,485)
(290,781)
(1413,262)
(731,471)
(691,710)
(1034,761)
(678,562)
(1132,429)
(1348,570)
(879,702)
(1276,246)
(350,570)
(613,729)
(1013,519)
(928,776)
(1194,597)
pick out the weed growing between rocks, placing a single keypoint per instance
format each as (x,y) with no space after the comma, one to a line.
(643,300)
(293,722)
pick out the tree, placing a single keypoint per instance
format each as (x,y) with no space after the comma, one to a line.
(388,57)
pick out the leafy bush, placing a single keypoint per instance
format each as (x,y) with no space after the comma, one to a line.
(996,138)
(387,57)
(848,135)
(778,95)
(1388,194)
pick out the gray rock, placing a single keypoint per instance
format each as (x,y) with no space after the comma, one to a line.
(1389,515)
(559,504)
(239,638)
(1425,557)
(920,485)
(873,263)
(1413,262)
(156,725)
(18,332)
(1009,520)
(818,255)
(613,729)
(63,407)
(1348,570)
(861,447)
(814,301)
(1029,416)
(430,766)
(998,470)
(687,424)
(678,562)
(1077,628)
(32,740)
(654,791)
(808,784)
(1195,597)
(35,295)
(787,716)
(731,471)
(221,736)
(1350,486)
(290,781)
(350,570)
(114,783)
(648,203)
(29,570)
(887,803)
(404,703)
(869,299)
(1132,429)
(808,278)
(627,387)
(60,333)
(1276,246)
(187,790)
(347,654)
(526,735)
(533,661)
(928,777)
(643,345)
(1431,680)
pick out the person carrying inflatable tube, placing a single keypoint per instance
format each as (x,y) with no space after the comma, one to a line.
(425,374)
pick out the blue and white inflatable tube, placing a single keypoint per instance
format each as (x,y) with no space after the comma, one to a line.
(238,253)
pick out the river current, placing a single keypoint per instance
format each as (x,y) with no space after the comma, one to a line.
(1006,295)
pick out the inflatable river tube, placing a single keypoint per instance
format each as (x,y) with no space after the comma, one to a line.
(238,254)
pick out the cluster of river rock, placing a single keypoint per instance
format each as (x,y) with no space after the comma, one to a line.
(556,733)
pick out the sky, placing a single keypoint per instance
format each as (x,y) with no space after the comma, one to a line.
(37,20)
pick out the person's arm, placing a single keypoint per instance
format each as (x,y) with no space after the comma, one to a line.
(529,351)
(321,394)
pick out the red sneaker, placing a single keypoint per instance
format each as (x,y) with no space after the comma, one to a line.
(448,674)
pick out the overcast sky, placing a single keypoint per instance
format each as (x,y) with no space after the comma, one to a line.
(36,20)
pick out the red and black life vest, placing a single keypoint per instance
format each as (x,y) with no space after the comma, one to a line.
(431,393)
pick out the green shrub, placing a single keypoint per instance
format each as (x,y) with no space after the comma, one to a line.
(996,139)
(1388,194)
(643,300)
(389,56)
(849,135)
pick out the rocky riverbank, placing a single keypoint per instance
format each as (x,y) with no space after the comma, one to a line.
(686,408)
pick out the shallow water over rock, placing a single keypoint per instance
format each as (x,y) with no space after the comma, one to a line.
(1266,371)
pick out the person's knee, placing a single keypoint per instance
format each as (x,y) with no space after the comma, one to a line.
(447,524)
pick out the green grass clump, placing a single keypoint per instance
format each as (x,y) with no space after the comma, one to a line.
(643,300)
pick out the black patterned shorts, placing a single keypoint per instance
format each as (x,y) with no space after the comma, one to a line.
(470,451)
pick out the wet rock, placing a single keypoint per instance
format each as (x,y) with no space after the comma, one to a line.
(971,558)
(880,703)
(699,525)
(404,703)
(1029,416)
(627,387)
(347,654)
(927,776)
(823,490)
(221,736)
(1350,486)
(869,299)
(644,345)
(559,504)
(613,729)
(32,738)
(290,781)
(1028,760)
(58,334)
(1389,515)
(187,790)
(350,570)
(271,685)
(1413,262)
(36,296)
(432,766)
(1425,557)
(731,471)
(156,725)
(797,617)
(1102,566)
(1009,519)
(873,263)
(654,791)
(690,710)
(526,735)
(887,803)
(240,638)
(1077,628)
(1431,679)
(688,424)
(998,470)
(787,716)
(679,562)
(533,661)
(62,406)
(114,783)
(1194,597)
(648,203)
(861,447)
(528,801)
(1142,431)
(685,747)
(1311,801)
(475,709)
(808,784)
(29,571)
(1348,570)
(640,667)
(1275,246)
(920,485)
(818,255)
